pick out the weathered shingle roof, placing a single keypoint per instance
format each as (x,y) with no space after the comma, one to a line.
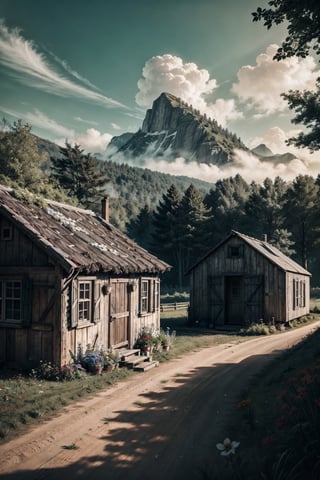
(77,238)
(267,250)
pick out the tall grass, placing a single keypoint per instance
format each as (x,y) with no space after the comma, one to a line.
(279,417)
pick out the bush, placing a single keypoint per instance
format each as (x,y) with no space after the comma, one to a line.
(49,371)
(259,329)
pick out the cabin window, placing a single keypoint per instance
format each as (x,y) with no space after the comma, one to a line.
(299,294)
(85,302)
(10,301)
(156,295)
(149,295)
(144,297)
(235,251)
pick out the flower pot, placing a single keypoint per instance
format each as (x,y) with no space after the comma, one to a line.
(109,368)
(166,348)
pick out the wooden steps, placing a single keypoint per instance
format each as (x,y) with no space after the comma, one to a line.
(133,360)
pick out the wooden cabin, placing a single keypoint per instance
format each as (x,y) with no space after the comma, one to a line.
(68,278)
(244,280)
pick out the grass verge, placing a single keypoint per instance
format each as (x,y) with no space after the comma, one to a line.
(25,400)
(277,420)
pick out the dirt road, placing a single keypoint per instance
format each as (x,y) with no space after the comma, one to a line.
(162,424)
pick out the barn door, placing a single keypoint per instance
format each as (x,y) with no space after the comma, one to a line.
(216,295)
(254,294)
(119,314)
(234,300)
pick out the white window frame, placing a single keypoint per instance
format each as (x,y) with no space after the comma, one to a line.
(85,301)
(299,294)
(156,291)
(145,296)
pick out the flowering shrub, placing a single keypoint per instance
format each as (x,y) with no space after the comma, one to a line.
(151,338)
(49,371)
(144,340)
(91,360)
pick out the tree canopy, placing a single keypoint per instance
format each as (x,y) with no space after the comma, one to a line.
(303,25)
(79,174)
(20,159)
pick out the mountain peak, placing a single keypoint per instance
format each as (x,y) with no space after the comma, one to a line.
(172,128)
(262,150)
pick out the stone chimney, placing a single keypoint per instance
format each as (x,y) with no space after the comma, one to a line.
(264,237)
(105,209)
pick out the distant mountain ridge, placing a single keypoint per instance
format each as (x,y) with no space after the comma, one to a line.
(265,154)
(172,129)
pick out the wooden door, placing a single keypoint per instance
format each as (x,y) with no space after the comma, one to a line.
(216,296)
(254,293)
(119,314)
(234,298)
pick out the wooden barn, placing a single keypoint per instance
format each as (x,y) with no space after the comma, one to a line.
(244,280)
(68,277)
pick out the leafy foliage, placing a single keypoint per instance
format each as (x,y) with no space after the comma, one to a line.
(303,25)
(19,157)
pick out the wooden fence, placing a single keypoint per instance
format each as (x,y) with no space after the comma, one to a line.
(167,307)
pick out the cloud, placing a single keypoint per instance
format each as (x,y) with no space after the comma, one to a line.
(40,120)
(275,138)
(72,72)
(92,141)
(89,122)
(261,85)
(32,68)
(168,73)
(246,164)
(115,126)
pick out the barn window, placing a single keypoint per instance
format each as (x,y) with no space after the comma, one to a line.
(10,301)
(85,302)
(6,232)
(302,293)
(235,251)
(299,294)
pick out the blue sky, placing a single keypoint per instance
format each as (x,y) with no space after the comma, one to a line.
(86,71)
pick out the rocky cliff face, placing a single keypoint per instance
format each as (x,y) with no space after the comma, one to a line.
(172,128)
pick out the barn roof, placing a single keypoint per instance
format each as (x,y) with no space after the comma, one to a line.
(264,248)
(78,239)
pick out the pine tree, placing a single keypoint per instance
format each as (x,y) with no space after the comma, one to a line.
(302,215)
(79,174)
(227,202)
(265,207)
(141,228)
(192,227)
(166,238)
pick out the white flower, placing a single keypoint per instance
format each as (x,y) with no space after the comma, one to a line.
(227,447)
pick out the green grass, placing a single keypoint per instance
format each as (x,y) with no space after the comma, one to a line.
(24,400)
(277,419)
